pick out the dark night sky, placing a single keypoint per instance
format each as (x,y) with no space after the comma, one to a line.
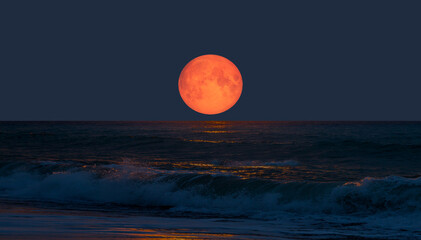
(120,60)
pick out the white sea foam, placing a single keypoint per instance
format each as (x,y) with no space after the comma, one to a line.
(392,202)
(196,192)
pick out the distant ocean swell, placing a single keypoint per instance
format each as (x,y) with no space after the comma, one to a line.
(70,140)
(206,193)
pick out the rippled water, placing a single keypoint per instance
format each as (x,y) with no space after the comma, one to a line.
(314,173)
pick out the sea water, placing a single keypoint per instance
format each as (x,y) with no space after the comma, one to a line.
(212,179)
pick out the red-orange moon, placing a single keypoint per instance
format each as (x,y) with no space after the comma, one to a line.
(210,84)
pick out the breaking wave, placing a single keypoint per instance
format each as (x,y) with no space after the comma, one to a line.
(143,186)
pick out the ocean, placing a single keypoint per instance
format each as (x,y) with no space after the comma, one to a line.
(210,180)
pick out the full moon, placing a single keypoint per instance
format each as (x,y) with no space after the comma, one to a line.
(210,84)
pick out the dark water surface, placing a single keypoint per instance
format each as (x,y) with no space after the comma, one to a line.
(330,179)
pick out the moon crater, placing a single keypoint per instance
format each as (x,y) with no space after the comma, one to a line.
(210,84)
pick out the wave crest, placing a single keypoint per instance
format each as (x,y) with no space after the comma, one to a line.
(219,194)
